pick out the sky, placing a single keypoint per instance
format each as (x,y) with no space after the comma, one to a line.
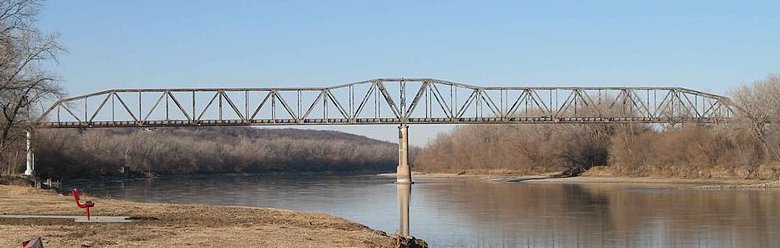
(712,46)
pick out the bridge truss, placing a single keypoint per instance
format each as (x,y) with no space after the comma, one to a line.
(386,101)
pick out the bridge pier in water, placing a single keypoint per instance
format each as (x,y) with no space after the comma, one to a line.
(403,172)
(403,179)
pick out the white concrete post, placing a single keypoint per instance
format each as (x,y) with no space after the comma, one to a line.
(30,165)
(403,172)
(403,179)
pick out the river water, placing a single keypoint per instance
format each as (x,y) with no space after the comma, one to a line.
(467,213)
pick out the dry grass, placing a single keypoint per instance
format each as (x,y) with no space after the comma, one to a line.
(178,225)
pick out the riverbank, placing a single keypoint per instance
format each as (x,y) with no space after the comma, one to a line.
(175,225)
(708,183)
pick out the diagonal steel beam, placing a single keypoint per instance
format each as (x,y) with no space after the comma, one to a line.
(154,107)
(364,101)
(416,99)
(440,99)
(313,105)
(176,102)
(337,104)
(233,105)
(388,99)
(200,117)
(130,112)
(99,107)
(286,106)
(262,103)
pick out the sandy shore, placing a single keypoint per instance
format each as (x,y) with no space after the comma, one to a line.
(677,182)
(674,182)
(174,225)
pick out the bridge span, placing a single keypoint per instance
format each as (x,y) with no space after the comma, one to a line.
(385,101)
(402,102)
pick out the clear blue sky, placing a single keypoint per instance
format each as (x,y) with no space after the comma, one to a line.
(706,45)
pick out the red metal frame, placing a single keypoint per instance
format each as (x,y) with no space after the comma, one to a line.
(86,205)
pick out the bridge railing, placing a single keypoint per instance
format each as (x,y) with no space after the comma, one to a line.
(386,101)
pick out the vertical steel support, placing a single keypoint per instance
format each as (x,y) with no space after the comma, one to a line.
(140,113)
(30,167)
(194,115)
(219,93)
(113,114)
(167,100)
(402,89)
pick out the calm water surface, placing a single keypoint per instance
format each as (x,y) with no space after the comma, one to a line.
(459,213)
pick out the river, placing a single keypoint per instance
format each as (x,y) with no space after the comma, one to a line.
(469,213)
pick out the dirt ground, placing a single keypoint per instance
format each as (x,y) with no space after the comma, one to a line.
(174,225)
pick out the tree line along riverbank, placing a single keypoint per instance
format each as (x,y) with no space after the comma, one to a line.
(68,153)
(748,147)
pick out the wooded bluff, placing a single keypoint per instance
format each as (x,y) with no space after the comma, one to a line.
(107,152)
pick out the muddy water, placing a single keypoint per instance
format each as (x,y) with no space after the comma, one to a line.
(457,213)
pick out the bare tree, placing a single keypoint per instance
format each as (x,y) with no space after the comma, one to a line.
(23,81)
(759,104)
(746,148)
(67,153)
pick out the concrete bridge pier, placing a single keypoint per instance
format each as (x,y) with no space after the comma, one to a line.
(404,173)
(403,179)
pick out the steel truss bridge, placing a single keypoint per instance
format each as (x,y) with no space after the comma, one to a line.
(386,101)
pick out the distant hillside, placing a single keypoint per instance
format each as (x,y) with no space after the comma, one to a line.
(252,132)
(130,152)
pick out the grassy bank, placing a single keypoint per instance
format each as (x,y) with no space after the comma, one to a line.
(175,225)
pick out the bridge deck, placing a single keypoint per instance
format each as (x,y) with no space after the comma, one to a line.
(386,101)
(381,121)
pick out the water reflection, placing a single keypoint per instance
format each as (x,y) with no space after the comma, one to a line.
(404,195)
(478,214)
(546,215)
